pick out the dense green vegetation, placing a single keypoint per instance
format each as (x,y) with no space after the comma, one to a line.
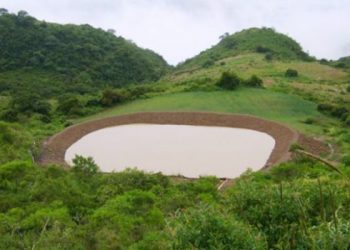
(291,73)
(300,205)
(52,76)
(343,62)
(229,81)
(79,55)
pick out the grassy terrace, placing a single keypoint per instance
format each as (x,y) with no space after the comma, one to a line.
(288,109)
(247,64)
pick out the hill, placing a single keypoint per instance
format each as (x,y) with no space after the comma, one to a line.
(76,53)
(343,62)
(261,40)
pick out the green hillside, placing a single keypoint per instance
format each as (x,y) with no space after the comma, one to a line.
(343,62)
(79,54)
(272,44)
(316,81)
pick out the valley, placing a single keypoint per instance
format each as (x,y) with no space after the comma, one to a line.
(63,83)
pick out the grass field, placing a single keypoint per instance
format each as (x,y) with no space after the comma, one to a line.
(315,81)
(247,64)
(288,109)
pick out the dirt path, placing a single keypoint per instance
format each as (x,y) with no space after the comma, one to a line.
(55,147)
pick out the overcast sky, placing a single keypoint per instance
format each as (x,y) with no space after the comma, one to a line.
(179,29)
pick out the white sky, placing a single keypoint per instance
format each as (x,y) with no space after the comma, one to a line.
(179,29)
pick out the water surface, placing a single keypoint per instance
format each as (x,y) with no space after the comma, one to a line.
(191,151)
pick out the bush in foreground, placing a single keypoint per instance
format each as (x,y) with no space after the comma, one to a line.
(208,228)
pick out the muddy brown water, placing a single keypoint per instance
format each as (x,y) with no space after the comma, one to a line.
(55,147)
(186,150)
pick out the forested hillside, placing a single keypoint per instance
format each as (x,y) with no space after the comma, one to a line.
(343,62)
(266,41)
(78,54)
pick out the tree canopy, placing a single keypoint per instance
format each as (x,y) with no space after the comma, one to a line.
(79,52)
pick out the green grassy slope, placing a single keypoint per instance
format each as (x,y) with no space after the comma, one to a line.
(288,109)
(253,63)
(315,81)
(262,40)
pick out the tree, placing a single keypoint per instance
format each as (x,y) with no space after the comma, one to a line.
(223,36)
(72,50)
(262,49)
(254,81)
(291,73)
(26,102)
(112,31)
(268,56)
(22,13)
(9,115)
(111,97)
(70,106)
(85,166)
(208,63)
(3,11)
(229,81)
(324,61)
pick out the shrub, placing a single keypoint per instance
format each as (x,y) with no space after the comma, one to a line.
(29,103)
(254,81)
(125,219)
(10,115)
(339,112)
(268,56)
(291,73)
(208,63)
(45,118)
(262,49)
(140,91)
(207,228)
(228,43)
(85,166)
(70,106)
(324,107)
(68,123)
(341,65)
(348,88)
(14,142)
(111,97)
(42,107)
(228,81)
(330,235)
(347,121)
(93,103)
(324,61)
(309,121)
(346,159)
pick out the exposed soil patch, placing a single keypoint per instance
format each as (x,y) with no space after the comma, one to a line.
(313,146)
(55,147)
